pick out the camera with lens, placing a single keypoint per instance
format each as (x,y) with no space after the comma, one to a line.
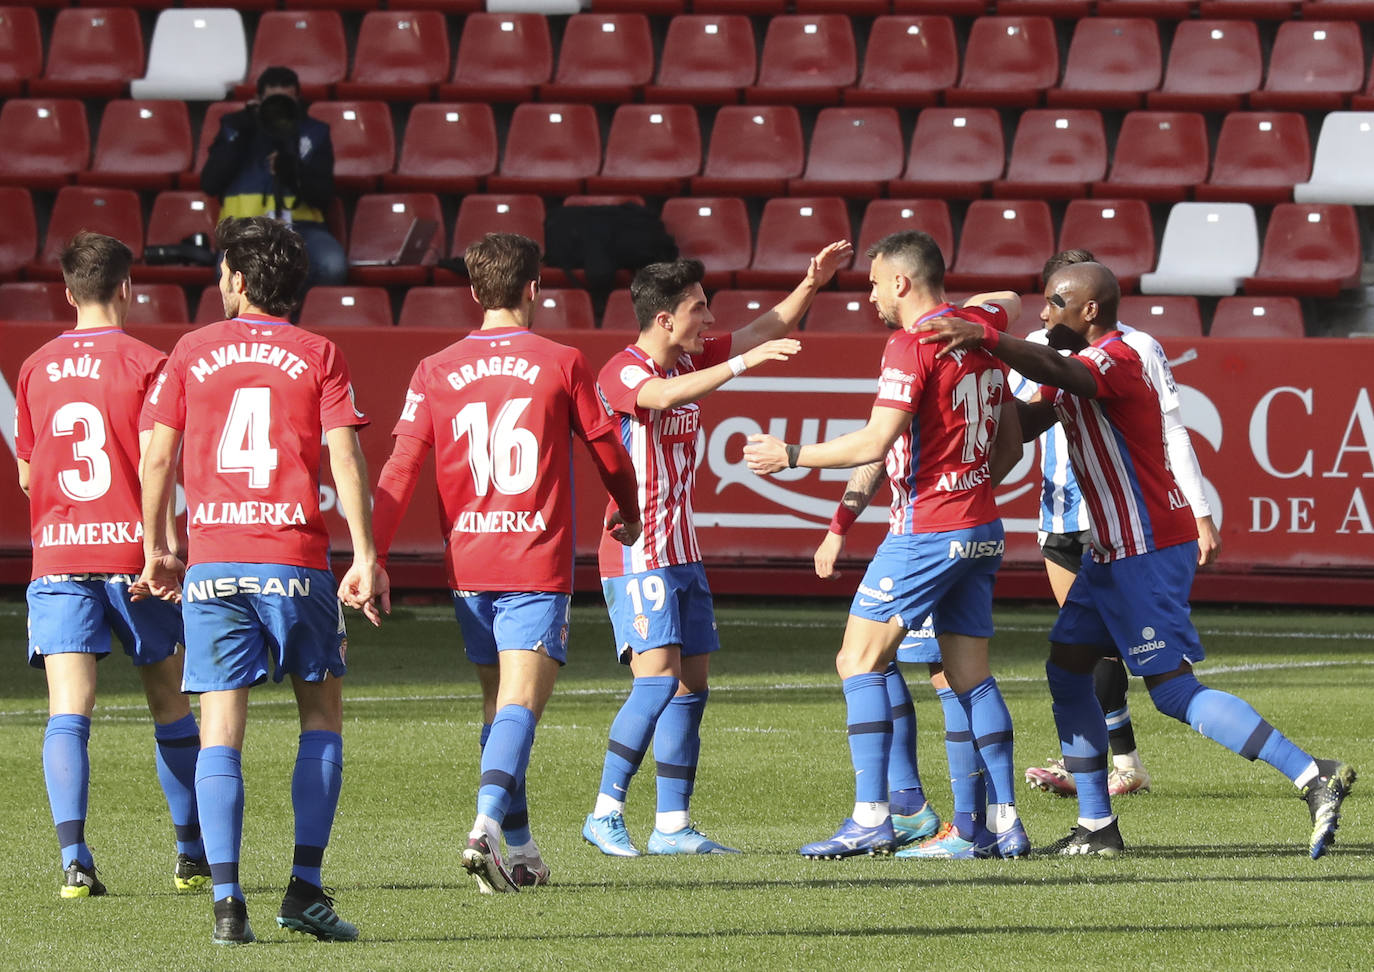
(279,117)
(194,250)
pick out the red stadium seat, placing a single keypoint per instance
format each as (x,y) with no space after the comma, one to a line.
(44,143)
(1362,10)
(1257,317)
(714,230)
(158,303)
(452,308)
(363,138)
(36,301)
(209,128)
(550,149)
(733,309)
(1313,65)
(21,49)
(1159,155)
(501,57)
(210,306)
(142,145)
(564,310)
(1066,9)
(94,53)
(1213,66)
(791,232)
(654,8)
(1119,232)
(1248,9)
(1162,317)
(1008,61)
(327,307)
(854,152)
(380,224)
(652,149)
(754,150)
(851,8)
(1310,250)
(1112,63)
(481,214)
(603,57)
(1154,9)
(443,6)
(950,8)
(706,59)
(603,199)
(1056,153)
(447,148)
(834,312)
(401,56)
(311,41)
(955,152)
(19,230)
(1002,246)
(767,8)
(806,60)
(909,61)
(176,215)
(1260,157)
(619,314)
(885,216)
(114,212)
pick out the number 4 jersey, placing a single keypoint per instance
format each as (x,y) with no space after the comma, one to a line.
(254,396)
(76,423)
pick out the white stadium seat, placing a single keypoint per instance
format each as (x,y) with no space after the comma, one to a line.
(1208,249)
(195,55)
(1342,171)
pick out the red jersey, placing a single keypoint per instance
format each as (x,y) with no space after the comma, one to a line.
(500,408)
(938,466)
(662,444)
(76,419)
(1116,444)
(254,397)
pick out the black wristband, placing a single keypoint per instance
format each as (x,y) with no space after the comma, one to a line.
(793,454)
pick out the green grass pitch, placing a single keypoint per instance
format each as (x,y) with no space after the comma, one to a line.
(1216,873)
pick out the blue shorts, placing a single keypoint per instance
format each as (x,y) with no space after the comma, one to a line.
(240,616)
(667,606)
(920,645)
(497,621)
(83,612)
(947,576)
(1136,607)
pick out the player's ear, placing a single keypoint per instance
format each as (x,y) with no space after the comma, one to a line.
(664,320)
(70,299)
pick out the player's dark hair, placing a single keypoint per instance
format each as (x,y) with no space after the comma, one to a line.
(277,76)
(93,267)
(1062,259)
(500,266)
(660,287)
(272,258)
(918,255)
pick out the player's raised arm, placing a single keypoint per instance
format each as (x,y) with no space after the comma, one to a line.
(365,585)
(784,316)
(858,493)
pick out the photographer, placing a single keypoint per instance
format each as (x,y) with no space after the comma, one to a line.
(272,159)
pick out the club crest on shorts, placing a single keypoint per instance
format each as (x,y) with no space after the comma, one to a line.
(641,625)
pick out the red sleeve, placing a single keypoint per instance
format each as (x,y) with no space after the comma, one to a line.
(23,420)
(395,487)
(145,421)
(415,417)
(905,366)
(619,382)
(993,315)
(166,403)
(1109,372)
(617,472)
(337,406)
(591,414)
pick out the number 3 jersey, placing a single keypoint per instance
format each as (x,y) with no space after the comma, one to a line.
(254,397)
(76,424)
(500,408)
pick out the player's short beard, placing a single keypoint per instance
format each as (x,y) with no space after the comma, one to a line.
(1061,337)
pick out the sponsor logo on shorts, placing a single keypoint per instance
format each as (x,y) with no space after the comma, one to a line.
(878,596)
(211,587)
(641,625)
(973,549)
(1149,646)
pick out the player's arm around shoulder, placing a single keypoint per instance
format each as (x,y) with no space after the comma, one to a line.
(365,585)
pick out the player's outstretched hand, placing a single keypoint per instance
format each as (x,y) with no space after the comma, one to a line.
(779,349)
(367,588)
(827,553)
(765,454)
(623,531)
(161,578)
(953,333)
(825,263)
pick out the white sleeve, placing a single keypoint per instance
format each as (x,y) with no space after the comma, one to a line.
(1156,364)
(1177,445)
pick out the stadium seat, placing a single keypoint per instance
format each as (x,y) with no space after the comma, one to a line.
(1313,65)
(1260,157)
(1162,317)
(908,62)
(1341,172)
(452,308)
(479,214)
(955,152)
(1056,154)
(806,60)
(209,128)
(114,212)
(1064,9)
(327,307)
(363,138)
(176,215)
(36,301)
(501,57)
(791,232)
(603,57)
(754,150)
(550,149)
(401,56)
(1207,250)
(651,149)
(1113,62)
(1213,66)
(1008,62)
(195,55)
(447,148)
(1257,317)
(707,59)
(1154,9)
(885,216)
(44,142)
(1119,232)
(654,8)
(1310,250)
(763,8)
(451,7)
(949,8)
(1159,155)
(714,230)
(21,49)
(19,231)
(603,199)
(837,312)
(158,303)
(733,309)
(619,314)
(1361,10)
(1248,9)
(850,8)
(210,305)
(312,42)
(141,145)
(564,310)
(380,224)
(1003,245)
(93,53)
(854,152)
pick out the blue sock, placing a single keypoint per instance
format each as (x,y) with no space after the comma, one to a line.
(219,797)
(631,731)
(905,795)
(178,744)
(315,786)
(504,759)
(869,721)
(965,780)
(1082,738)
(992,737)
(67,772)
(516,824)
(677,745)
